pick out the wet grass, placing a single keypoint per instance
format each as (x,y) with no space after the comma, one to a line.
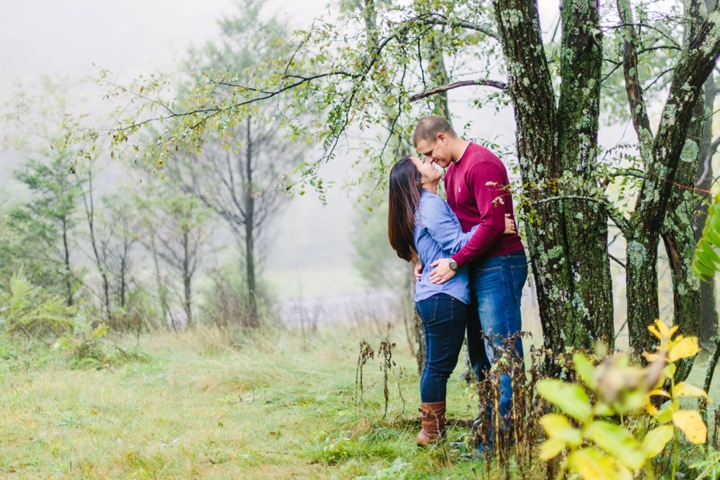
(273,405)
(277,404)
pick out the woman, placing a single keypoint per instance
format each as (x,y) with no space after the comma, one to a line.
(422,227)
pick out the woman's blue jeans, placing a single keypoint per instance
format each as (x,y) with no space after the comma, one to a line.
(444,321)
(496,289)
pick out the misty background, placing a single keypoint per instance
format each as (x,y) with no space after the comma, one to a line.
(309,250)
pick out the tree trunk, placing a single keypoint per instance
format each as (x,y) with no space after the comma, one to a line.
(253,318)
(161,288)
(703,181)
(585,221)
(68,280)
(662,156)
(571,269)
(438,73)
(679,239)
(90,215)
(187,275)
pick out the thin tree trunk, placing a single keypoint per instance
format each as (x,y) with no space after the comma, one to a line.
(89,203)
(161,290)
(703,181)
(253,318)
(68,279)
(187,277)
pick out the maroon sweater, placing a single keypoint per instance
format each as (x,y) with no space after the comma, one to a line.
(478,191)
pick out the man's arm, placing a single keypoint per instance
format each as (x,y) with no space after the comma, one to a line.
(442,273)
(490,195)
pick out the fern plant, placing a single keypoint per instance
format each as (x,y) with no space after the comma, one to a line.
(707,261)
(24,309)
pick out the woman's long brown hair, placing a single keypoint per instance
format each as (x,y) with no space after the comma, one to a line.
(405,189)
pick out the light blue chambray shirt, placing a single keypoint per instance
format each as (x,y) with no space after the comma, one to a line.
(438,235)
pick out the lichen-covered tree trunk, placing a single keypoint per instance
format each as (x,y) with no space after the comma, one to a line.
(679,239)
(662,156)
(567,234)
(585,221)
(703,181)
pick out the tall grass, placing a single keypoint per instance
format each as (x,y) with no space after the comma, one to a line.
(209,404)
(268,405)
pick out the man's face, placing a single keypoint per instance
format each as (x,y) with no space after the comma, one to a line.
(437,152)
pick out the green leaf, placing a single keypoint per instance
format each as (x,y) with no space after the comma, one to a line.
(701,269)
(655,440)
(585,370)
(616,441)
(712,236)
(708,250)
(665,414)
(569,398)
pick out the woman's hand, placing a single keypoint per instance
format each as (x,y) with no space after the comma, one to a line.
(509,225)
(418,270)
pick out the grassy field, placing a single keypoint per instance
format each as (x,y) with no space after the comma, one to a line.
(273,405)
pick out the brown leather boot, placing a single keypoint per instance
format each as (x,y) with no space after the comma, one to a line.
(432,416)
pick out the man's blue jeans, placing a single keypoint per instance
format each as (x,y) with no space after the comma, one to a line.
(496,289)
(444,321)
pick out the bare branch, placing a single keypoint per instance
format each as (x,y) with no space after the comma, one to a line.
(638,112)
(464,83)
(437,19)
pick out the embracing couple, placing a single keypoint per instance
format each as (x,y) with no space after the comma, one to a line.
(475,264)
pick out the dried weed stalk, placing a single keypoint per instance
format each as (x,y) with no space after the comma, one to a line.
(516,435)
(366,353)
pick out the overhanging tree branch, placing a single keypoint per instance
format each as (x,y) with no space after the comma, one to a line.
(437,19)
(463,83)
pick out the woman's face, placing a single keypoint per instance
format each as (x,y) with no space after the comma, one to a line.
(430,175)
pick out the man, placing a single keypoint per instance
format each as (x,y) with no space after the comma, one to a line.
(478,191)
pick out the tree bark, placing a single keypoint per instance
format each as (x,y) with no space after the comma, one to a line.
(679,239)
(662,166)
(66,259)
(99,262)
(585,221)
(575,307)
(253,318)
(703,182)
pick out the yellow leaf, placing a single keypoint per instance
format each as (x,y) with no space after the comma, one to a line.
(648,401)
(559,427)
(551,448)
(683,389)
(592,464)
(655,441)
(650,357)
(661,331)
(655,331)
(688,347)
(669,372)
(691,424)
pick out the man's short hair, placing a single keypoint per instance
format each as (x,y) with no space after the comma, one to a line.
(429,127)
